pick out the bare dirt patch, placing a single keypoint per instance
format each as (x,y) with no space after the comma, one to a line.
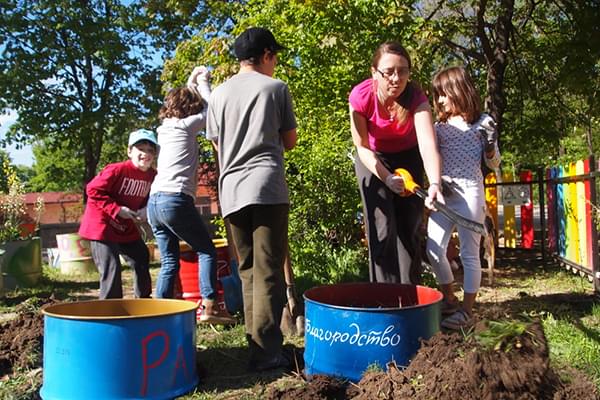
(21,338)
(455,366)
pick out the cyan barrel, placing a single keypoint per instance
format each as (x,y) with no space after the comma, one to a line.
(119,349)
(353,326)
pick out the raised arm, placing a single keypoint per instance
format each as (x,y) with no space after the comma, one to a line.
(429,151)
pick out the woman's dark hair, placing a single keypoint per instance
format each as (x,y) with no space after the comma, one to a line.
(456,84)
(181,103)
(404,101)
(390,47)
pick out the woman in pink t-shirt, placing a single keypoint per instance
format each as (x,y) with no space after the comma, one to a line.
(392,127)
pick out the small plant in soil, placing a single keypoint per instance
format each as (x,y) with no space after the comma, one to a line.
(374,368)
(502,335)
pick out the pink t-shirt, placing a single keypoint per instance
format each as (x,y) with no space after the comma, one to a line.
(385,135)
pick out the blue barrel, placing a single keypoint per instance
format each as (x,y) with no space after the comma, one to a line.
(352,326)
(119,349)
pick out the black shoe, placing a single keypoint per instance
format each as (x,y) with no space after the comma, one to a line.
(279,361)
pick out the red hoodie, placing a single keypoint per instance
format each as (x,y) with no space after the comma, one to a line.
(118,184)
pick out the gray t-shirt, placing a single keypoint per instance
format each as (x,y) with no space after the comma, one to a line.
(246,116)
(177,165)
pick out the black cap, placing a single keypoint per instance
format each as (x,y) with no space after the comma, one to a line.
(253,42)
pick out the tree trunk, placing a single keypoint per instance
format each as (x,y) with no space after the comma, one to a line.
(496,55)
(91,150)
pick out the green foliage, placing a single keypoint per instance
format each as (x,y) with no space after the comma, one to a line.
(330,45)
(56,170)
(61,170)
(502,335)
(80,74)
(12,208)
(4,165)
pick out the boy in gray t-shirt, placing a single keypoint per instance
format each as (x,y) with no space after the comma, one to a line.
(251,122)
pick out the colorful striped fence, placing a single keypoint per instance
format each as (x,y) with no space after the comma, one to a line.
(568,229)
(572,233)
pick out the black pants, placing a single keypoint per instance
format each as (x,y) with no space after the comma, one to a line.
(106,258)
(260,236)
(393,223)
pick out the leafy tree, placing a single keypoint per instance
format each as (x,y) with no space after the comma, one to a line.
(5,167)
(510,47)
(539,65)
(557,65)
(82,73)
(56,170)
(330,45)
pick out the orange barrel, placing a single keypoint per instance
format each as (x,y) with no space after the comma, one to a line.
(226,279)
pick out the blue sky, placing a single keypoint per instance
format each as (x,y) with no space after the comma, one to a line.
(22,156)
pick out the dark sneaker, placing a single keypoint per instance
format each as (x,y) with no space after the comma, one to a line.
(457,321)
(280,361)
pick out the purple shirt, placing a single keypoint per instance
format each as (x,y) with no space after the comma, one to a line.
(385,135)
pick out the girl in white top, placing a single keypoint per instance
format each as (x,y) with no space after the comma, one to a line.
(464,136)
(171,207)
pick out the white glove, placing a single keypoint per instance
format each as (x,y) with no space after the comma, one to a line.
(199,81)
(395,183)
(142,214)
(199,74)
(127,213)
(487,127)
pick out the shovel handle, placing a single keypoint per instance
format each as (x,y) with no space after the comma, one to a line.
(412,187)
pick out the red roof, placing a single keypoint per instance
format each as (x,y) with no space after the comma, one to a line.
(53,197)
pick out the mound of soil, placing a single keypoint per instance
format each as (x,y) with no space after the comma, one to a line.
(320,387)
(21,338)
(454,366)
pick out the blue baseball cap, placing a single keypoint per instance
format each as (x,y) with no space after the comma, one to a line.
(142,134)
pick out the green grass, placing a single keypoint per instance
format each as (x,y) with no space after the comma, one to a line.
(51,282)
(21,386)
(575,341)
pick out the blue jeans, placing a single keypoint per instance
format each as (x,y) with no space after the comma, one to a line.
(173,217)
